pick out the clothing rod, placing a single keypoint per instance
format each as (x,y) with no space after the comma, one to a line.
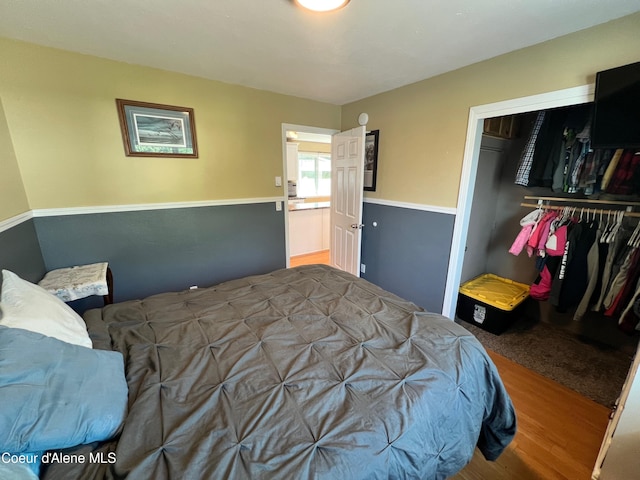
(596,210)
(581,200)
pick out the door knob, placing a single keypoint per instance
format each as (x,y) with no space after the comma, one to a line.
(357,226)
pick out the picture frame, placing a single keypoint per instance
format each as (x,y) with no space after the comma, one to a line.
(371,160)
(156,130)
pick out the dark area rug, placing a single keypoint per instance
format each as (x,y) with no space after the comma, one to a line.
(593,369)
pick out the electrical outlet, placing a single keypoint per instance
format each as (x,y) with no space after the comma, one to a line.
(363,268)
(278,206)
(278,181)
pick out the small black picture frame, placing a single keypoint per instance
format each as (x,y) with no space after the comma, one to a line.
(371,160)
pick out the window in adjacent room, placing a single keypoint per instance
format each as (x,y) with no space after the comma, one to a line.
(314,174)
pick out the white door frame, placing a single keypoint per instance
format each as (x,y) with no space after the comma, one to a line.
(477,114)
(295,128)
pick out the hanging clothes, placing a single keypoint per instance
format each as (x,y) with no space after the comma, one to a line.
(593,270)
(611,168)
(626,177)
(595,164)
(614,256)
(586,261)
(573,180)
(540,233)
(618,280)
(572,277)
(548,145)
(628,286)
(558,155)
(545,231)
(541,287)
(556,240)
(572,146)
(528,223)
(630,318)
(526,159)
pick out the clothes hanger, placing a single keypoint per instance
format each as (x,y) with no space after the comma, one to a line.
(636,244)
(600,222)
(605,231)
(612,229)
(634,236)
(616,227)
(634,240)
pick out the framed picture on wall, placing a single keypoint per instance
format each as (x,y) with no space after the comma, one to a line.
(155,130)
(371,160)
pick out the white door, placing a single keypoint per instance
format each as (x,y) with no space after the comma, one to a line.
(347,181)
(623,432)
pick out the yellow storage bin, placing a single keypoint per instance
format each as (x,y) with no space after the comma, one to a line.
(490,301)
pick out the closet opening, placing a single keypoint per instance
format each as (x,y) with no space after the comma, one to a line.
(570,330)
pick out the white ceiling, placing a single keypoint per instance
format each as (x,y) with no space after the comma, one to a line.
(368,47)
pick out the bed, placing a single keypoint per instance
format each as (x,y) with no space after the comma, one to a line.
(306,373)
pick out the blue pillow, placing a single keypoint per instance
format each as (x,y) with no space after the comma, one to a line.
(55,394)
(13,469)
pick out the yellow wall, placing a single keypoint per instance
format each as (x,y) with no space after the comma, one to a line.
(13,200)
(61,115)
(62,127)
(423,125)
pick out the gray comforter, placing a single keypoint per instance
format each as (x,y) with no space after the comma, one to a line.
(306,373)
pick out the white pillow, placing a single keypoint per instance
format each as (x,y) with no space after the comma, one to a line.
(30,307)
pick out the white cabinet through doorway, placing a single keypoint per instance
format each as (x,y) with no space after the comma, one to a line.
(308,231)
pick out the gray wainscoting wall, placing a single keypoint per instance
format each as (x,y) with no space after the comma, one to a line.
(408,252)
(154,251)
(20,251)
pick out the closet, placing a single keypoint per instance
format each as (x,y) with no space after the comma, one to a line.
(502,198)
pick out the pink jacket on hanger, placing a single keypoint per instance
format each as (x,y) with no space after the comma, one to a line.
(528,222)
(539,235)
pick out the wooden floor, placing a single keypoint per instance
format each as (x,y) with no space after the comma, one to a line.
(311,259)
(559,431)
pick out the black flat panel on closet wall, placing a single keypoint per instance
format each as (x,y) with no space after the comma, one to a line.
(155,251)
(408,252)
(20,252)
(616,122)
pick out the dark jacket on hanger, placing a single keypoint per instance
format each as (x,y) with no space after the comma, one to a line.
(572,277)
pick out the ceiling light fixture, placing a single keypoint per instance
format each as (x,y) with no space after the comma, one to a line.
(322,5)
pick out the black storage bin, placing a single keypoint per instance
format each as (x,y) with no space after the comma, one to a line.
(491,302)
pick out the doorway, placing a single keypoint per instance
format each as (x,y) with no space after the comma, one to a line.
(307,185)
